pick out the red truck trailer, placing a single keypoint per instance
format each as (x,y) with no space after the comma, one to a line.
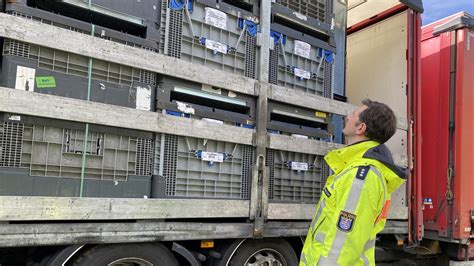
(447,61)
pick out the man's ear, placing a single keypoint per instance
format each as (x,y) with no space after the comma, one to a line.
(361,129)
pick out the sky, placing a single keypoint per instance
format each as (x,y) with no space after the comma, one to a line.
(438,9)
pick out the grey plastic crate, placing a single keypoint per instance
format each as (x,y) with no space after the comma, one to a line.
(203,101)
(295,177)
(318,9)
(53,151)
(130,22)
(231,47)
(308,69)
(25,66)
(19,182)
(290,119)
(189,172)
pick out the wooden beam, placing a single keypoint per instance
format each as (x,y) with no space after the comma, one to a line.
(50,106)
(16,208)
(309,146)
(14,235)
(290,211)
(295,211)
(294,144)
(34,32)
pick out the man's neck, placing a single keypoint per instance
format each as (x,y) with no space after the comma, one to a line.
(356,139)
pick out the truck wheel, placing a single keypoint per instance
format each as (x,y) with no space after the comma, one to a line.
(127,254)
(264,252)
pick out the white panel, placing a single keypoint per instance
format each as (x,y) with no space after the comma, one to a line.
(376,64)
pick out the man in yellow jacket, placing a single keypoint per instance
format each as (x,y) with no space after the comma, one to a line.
(354,204)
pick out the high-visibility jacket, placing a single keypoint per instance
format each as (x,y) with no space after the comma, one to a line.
(353,206)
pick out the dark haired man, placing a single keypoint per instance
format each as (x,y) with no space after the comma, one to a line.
(354,204)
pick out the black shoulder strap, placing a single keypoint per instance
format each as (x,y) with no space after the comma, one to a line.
(362,172)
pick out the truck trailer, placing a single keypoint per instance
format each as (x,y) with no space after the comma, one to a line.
(193,132)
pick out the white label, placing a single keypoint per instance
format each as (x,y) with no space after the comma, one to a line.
(299,166)
(25,78)
(14,117)
(212,157)
(215,121)
(185,108)
(302,49)
(299,136)
(216,46)
(143,98)
(302,73)
(215,18)
(232,94)
(300,16)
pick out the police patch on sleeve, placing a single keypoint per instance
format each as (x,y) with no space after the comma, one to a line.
(346,221)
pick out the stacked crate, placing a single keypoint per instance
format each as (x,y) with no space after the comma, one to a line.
(218,34)
(43,157)
(201,168)
(129,22)
(303,46)
(220,37)
(302,58)
(197,101)
(44,70)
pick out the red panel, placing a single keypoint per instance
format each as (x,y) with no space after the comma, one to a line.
(464,146)
(435,65)
(437,55)
(414,141)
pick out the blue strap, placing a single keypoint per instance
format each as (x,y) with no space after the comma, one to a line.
(251,28)
(328,56)
(177,4)
(276,36)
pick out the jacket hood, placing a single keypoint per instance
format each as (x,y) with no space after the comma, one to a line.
(382,154)
(368,153)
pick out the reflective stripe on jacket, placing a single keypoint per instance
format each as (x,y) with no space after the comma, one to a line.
(353,206)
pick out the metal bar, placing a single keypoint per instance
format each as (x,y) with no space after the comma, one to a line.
(86,132)
(265,14)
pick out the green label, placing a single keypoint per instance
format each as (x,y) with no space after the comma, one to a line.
(45,82)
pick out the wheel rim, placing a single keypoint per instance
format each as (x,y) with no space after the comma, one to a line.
(130,262)
(266,257)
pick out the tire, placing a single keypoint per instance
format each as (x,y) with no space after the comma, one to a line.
(127,254)
(269,251)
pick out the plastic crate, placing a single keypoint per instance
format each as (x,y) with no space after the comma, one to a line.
(202,168)
(321,10)
(54,148)
(299,121)
(45,157)
(220,35)
(295,177)
(130,22)
(190,99)
(45,70)
(299,65)
(302,53)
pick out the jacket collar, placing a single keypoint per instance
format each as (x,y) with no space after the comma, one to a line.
(340,158)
